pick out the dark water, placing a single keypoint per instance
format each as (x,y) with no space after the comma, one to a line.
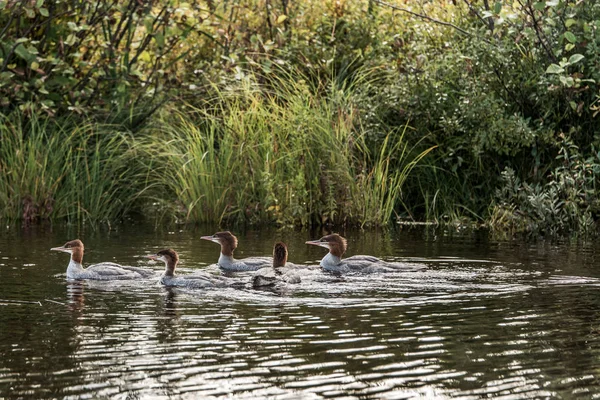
(483,319)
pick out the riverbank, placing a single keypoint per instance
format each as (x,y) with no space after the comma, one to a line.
(335,113)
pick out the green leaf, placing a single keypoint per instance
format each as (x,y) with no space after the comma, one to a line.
(540,5)
(44,12)
(497,7)
(570,22)
(570,37)
(567,81)
(569,46)
(22,52)
(160,39)
(148,25)
(554,69)
(575,58)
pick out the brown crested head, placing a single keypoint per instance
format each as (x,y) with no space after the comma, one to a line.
(74,247)
(280,255)
(334,242)
(337,244)
(169,257)
(72,244)
(226,239)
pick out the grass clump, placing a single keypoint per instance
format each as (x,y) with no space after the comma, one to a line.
(291,154)
(78,172)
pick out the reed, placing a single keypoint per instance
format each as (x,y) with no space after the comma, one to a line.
(78,172)
(290,152)
(379,188)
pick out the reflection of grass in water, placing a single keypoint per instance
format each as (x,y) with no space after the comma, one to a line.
(294,156)
(76,171)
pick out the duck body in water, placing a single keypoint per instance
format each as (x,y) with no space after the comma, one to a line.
(103,271)
(195,281)
(278,272)
(333,262)
(227,263)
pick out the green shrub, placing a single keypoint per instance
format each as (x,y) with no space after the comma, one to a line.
(567,203)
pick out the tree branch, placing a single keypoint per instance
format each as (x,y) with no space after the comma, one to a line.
(489,22)
(422,16)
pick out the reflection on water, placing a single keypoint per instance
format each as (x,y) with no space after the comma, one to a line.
(482,319)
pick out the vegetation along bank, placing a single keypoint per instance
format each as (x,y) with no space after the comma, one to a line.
(302,113)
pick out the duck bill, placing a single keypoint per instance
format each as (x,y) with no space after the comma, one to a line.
(210,239)
(61,248)
(152,257)
(318,243)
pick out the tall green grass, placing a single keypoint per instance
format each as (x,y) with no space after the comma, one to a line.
(379,188)
(78,172)
(293,154)
(289,151)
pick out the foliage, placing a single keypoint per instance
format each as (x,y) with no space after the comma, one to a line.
(496,97)
(495,87)
(568,202)
(109,57)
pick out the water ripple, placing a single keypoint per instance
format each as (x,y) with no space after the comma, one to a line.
(465,328)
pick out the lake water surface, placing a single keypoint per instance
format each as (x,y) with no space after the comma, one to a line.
(483,318)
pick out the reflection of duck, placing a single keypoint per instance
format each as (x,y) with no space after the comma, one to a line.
(226,261)
(277,273)
(197,280)
(75,295)
(170,303)
(333,262)
(102,271)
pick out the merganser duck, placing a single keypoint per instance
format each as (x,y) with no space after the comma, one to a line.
(102,271)
(277,273)
(226,262)
(333,262)
(197,280)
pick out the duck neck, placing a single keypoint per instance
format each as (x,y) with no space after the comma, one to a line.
(170,269)
(77,255)
(226,260)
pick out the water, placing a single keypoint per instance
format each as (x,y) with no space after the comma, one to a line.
(482,319)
